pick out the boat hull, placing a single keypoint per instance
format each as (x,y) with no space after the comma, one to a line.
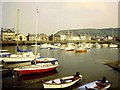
(35,71)
(17,60)
(80,51)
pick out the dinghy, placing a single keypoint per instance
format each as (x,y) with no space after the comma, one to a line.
(62,82)
(102,84)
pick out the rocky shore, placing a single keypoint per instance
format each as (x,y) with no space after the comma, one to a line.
(114,65)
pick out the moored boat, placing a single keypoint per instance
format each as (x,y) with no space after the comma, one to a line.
(80,50)
(4,53)
(70,47)
(62,82)
(45,59)
(36,68)
(101,84)
(22,56)
(113,45)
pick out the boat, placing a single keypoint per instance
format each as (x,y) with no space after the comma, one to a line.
(36,68)
(62,82)
(97,45)
(21,56)
(70,47)
(80,50)
(4,53)
(113,45)
(48,46)
(42,59)
(104,45)
(101,84)
(53,47)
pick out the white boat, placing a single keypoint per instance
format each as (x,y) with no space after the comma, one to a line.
(62,82)
(45,46)
(104,45)
(36,68)
(70,47)
(97,45)
(96,85)
(4,53)
(22,56)
(53,47)
(35,45)
(113,45)
(45,59)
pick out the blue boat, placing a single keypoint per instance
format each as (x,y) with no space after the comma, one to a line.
(101,84)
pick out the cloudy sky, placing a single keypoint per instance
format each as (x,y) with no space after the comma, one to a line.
(55,16)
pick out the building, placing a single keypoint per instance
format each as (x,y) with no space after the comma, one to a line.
(20,37)
(40,37)
(7,34)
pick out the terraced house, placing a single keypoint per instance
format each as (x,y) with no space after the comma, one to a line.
(7,34)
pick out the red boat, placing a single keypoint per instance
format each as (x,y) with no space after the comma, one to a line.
(36,68)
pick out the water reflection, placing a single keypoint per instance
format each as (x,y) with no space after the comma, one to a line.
(36,76)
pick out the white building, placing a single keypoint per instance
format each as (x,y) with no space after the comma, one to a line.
(20,37)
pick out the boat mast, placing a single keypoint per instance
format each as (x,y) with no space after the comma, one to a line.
(17,24)
(36,30)
(112,35)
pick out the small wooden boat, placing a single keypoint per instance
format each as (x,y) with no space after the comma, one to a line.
(62,82)
(96,85)
(36,68)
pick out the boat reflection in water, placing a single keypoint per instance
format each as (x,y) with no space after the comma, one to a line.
(36,75)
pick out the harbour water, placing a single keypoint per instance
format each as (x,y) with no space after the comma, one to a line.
(89,64)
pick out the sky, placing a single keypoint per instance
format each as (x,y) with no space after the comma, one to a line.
(59,15)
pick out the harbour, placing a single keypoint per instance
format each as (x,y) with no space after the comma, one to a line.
(51,47)
(89,64)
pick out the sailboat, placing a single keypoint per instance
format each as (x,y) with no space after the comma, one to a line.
(22,55)
(36,67)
